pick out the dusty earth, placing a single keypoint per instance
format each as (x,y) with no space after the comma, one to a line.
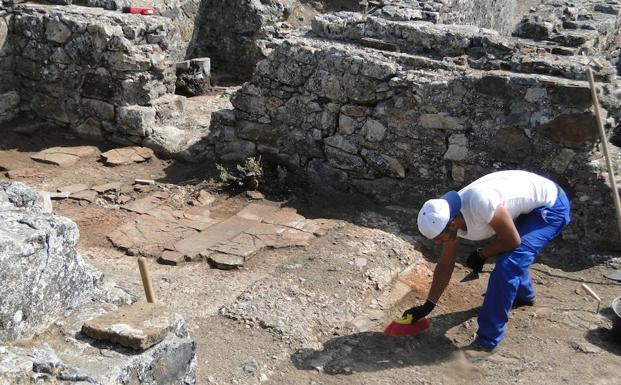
(273,320)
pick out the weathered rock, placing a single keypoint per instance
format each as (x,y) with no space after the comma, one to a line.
(42,272)
(194,78)
(172,258)
(136,120)
(255,195)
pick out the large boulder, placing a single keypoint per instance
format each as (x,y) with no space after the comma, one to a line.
(41,272)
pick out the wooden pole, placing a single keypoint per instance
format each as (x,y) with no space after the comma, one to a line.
(604,140)
(146,280)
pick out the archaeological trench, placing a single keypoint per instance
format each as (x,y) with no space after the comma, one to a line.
(395,100)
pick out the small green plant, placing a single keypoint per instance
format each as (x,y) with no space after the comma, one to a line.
(225,176)
(248,174)
(251,167)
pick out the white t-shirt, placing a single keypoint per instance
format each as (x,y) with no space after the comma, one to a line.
(518,191)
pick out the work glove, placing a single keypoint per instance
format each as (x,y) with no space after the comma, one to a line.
(419,312)
(475,261)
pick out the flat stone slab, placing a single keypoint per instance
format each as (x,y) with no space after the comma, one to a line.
(215,234)
(225,261)
(58,159)
(138,326)
(112,186)
(242,245)
(79,151)
(64,156)
(318,227)
(85,195)
(153,205)
(198,213)
(285,217)
(148,236)
(24,172)
(8,163)
(257,211)
(74,188)
(143,205)
(127,155)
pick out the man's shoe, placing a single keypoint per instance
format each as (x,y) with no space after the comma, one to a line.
(520,303)
(477,352)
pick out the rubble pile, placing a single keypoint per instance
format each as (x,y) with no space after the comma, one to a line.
(383,106)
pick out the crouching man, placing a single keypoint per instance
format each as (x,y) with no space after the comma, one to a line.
(524,211)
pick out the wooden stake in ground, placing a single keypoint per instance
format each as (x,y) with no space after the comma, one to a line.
(604,140)
(146,280)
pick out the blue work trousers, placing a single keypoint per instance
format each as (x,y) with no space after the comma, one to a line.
(510,279)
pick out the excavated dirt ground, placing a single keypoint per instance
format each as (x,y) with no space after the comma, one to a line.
(561,340)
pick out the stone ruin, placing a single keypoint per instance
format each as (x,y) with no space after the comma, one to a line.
(402,104)
(397,100)
(61,309)
(380,99)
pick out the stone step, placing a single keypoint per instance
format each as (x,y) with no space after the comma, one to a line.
(483,49)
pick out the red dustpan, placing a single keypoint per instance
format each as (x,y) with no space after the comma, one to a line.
(405,327)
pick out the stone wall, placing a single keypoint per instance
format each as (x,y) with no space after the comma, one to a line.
(238,34)
(182,13)
(492,14)
(101,73)
(429,107)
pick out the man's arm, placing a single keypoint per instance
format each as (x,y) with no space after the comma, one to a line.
(441,277)
(444,269)
(508,237)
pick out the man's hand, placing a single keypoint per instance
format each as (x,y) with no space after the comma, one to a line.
(475,261)
(419,312)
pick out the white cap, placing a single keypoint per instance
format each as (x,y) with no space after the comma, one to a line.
(436,214)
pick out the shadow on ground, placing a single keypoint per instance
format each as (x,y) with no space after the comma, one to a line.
(606,339)
(374,351)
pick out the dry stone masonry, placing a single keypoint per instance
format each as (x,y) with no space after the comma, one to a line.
(401,107)
(104,74)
